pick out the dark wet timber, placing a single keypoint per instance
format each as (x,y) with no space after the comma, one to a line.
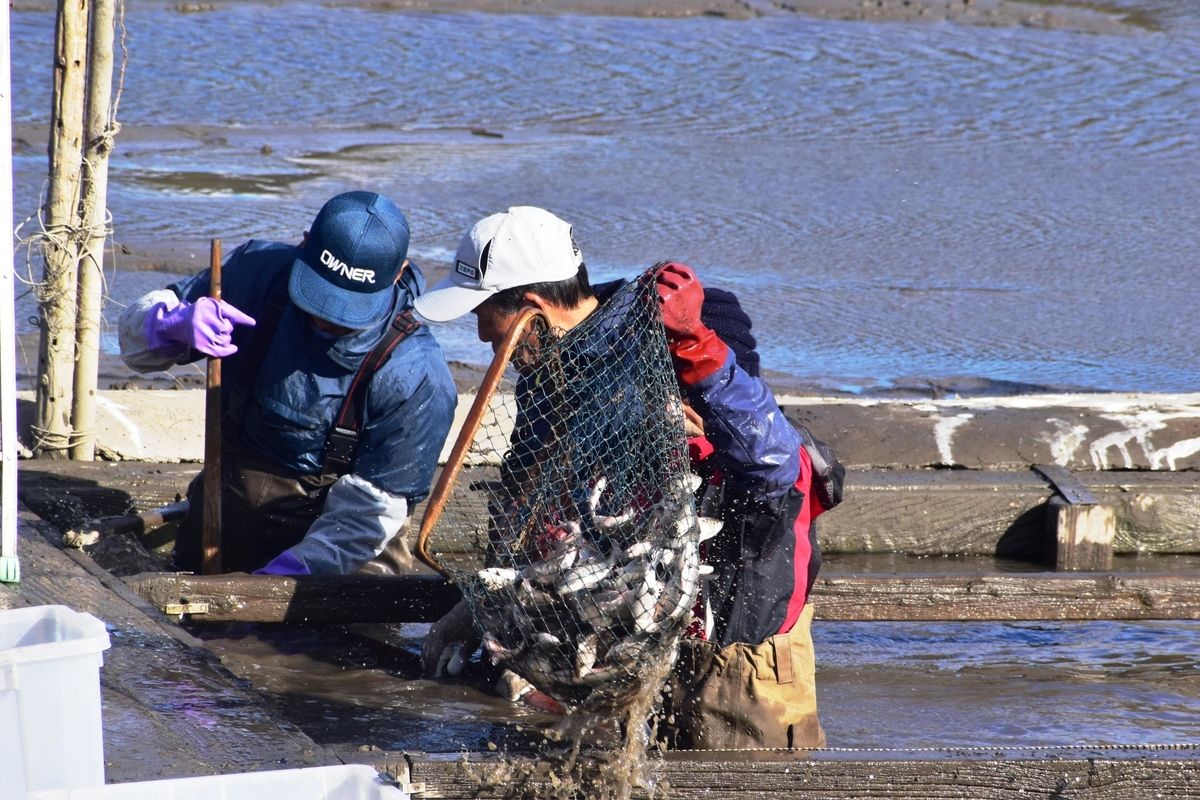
(305,598)
(920,512)
(170,708)
(425,598)
(986,774)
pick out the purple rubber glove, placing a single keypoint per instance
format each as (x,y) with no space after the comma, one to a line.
(205,325)
(284,564)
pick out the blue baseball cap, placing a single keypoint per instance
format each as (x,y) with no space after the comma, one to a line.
(350,260)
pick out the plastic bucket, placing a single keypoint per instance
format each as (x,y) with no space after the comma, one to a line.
(50,728)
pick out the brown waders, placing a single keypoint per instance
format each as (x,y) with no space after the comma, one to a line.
(744,696)
(265,509)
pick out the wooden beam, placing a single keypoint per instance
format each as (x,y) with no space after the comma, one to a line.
(425,598)
(772,774)
(946,512)
(919,512)
(305,598)
(1007,597)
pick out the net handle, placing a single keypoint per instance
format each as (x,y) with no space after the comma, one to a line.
(441,492)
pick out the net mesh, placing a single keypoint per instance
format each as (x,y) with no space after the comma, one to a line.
(571,528)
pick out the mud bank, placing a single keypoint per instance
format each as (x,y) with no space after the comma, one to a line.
(1099,19)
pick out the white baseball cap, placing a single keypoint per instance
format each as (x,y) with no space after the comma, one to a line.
(518,247)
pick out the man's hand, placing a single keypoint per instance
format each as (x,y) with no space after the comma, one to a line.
(681,295)
(450,642)
(696,350)
(206,325)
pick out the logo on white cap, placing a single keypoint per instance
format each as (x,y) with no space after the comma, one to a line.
(472,272)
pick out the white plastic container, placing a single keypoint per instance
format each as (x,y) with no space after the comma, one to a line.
(350,782)
(50,727)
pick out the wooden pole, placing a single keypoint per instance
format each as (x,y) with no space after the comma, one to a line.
(56,352)
(98,132)
(9,566)
(212,438)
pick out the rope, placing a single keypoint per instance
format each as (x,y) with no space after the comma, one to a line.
(1056,748)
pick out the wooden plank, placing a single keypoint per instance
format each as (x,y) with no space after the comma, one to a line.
(1007,597)
(425,598)
(1082,535)
(946,512)
(306,598)
(170,708)
(921,512)
(772,774)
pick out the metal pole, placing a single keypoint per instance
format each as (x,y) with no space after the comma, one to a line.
(211,531)
(10,568)
(56,352)
(98,138)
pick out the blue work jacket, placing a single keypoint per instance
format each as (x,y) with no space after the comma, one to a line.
(305,376)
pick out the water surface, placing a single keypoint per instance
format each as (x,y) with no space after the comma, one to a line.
(891,201)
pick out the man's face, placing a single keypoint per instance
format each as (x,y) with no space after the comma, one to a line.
(492,325)
(327,327)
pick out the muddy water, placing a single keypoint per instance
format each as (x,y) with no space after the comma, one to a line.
(893,201)
(879,685)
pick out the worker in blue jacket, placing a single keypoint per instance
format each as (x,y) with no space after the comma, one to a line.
(336,401)
(745,673)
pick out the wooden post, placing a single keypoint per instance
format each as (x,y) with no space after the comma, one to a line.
(98,140)
(1082,535)
(211,540)
(56,352)
(9,565)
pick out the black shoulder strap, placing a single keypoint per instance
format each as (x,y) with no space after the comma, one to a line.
(253,355)
(343,436)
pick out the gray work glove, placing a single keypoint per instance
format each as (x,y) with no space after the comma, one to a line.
(451,641)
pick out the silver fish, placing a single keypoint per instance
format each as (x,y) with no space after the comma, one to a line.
(585,654)
(609,524)
(449,655)
(498,652)
(709,527)
(586,576)
(599,610)
(639,549)
(547,641)
(547,571)
(497,579)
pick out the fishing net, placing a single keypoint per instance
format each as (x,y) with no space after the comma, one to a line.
(569,521)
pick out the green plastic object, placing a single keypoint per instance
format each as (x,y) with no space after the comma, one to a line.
(10,569)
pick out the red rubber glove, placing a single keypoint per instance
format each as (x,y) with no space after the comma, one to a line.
(696,350)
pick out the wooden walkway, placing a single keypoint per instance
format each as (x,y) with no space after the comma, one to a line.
(170,709)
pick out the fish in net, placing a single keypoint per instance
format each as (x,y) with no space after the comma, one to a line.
(566,512)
